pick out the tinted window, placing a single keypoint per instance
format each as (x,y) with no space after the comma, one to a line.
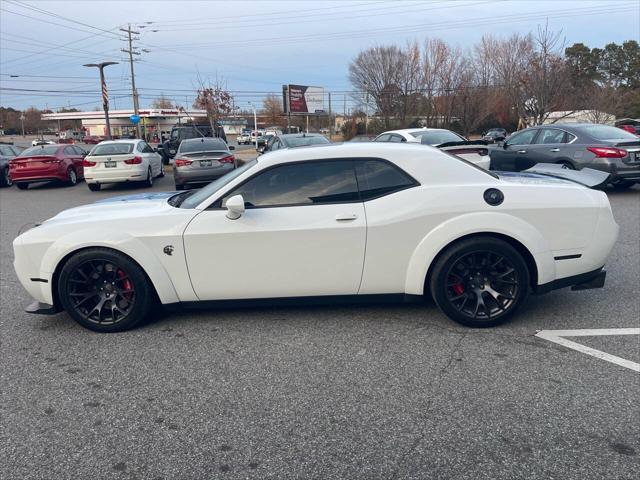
(436,137)
(70,151)
(112,149)
(396,139)
(383,138)
(40,150)
(203,145)
(294,142)
(377,178)
(147,148)
(569,137)
(79,151)
(523,138)
(306,183)
(550,135)
(605,132)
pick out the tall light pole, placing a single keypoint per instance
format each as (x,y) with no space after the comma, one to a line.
(105,94)
(255,123)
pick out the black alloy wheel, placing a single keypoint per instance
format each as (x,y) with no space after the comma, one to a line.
(480,282)
(104,290)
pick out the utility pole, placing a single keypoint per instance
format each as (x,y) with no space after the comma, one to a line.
(132,52)
(330,118)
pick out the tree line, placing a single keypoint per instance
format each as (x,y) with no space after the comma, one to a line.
(510,82)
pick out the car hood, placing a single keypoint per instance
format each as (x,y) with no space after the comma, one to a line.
(141,205)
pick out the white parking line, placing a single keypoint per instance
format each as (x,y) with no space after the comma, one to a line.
(557,336)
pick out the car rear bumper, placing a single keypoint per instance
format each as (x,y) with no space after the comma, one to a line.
(102,175)
(618,170)
(583,281)
(27,175)
(200,175)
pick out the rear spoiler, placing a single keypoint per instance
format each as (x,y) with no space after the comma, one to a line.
(471,146)
(587,176)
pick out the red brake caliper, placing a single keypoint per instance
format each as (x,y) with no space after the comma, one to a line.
(126,283)
(458,288)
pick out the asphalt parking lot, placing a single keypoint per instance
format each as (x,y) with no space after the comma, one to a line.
(373,391)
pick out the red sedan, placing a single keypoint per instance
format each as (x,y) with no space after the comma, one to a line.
(43,163)
(92,139)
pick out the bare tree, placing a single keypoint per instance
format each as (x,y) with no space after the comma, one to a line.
(162,102)
(214,98)
(272,110)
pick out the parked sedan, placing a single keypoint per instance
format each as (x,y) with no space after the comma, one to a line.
(41,141)
(475,152)
(62,163)
(353,221)
(574,146)
(294,140)
(494,135)
(119,161)
(7,152)
(201,160)
(92,139)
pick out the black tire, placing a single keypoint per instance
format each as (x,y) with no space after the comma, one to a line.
(94,187)
(161,175)
(5,178)
(179,187)
(105,291)
(149,181)
(622,184)
(72,177)
(483,270)
(22,186)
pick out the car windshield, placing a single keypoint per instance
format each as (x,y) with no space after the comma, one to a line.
(605,132)
(112,149)
(196,197)
(305,141)
(436,137)
(203,145)
(43,150)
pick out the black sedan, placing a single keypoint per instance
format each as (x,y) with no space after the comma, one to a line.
(294,140)
(574,146)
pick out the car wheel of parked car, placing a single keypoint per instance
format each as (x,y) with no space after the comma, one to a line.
(622,184)
(179,187)
(104,290)
(567,165)
(480,282)
(149,181)
(5,180)
(161,171)
(94,187)
(22,186)
(72,177)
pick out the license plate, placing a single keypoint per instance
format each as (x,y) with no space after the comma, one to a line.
(110,164)
(206,163)
(172,152)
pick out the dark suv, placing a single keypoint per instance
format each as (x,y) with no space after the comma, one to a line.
(170,146)
(574,146)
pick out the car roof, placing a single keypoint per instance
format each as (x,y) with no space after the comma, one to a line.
(202,139)
(122,140)
(300,135)
(417,129)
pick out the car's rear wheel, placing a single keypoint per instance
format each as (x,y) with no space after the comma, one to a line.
(5,180)
(104,290)
(72,177)
(22,186)
(94,187)
(149,181)
(480,282)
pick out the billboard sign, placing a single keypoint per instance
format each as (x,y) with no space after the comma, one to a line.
(305,100)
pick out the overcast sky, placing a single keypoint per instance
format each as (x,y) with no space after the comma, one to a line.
(256,46)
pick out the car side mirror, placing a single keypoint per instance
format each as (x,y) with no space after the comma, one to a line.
(231,147)
(235,207)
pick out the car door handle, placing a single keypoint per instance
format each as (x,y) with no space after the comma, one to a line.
(345,217)
(554,150)
(522,151)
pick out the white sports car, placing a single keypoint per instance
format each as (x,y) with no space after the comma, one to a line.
(473,151)
(356,220)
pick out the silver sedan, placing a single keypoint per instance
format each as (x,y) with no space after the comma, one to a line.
(201,160)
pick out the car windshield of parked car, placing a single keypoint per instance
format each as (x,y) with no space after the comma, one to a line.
(305,141)
(196,197)
(436,137)
(40,150)
(112,149)
(605,132)
(204,145)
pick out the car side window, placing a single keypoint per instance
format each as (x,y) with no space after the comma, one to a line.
(550,136)
(568,137)
(307,183)
(377,178)
(5,151)
(70,151)
(140,147)
(80,151)
(522,138)
(396,139)
(385,137)
(147,148)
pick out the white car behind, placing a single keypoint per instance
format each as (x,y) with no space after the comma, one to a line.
(446,140)
(122,161)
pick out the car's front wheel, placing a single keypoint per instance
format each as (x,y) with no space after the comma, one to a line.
(22,186)
(94,187)
(6,180)
(480,281)
(104,290)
